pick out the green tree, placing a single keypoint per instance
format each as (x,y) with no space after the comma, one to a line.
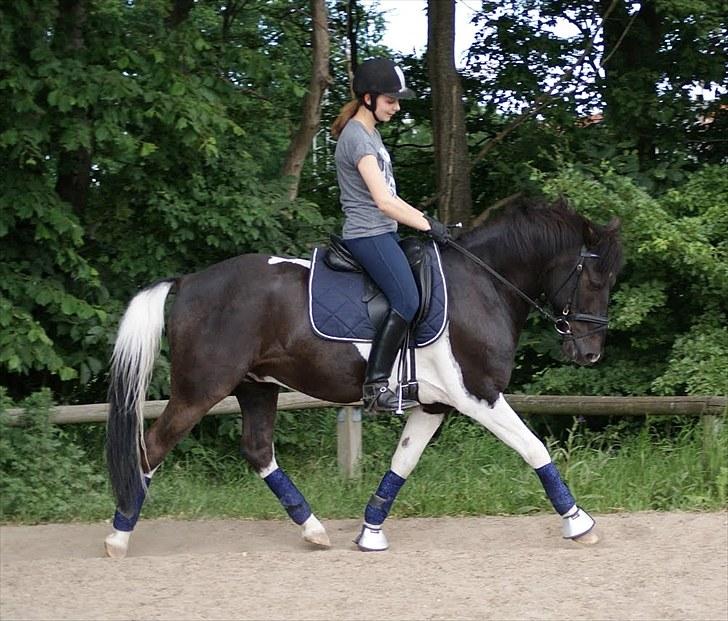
(138,140)
(668,319)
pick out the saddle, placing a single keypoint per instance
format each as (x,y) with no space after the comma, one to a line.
(338,258)
(344,304)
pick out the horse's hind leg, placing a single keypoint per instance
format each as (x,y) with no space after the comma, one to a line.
(505,424)
(258,403)
(417,432)
(175,423)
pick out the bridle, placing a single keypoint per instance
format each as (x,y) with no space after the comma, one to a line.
(561,324)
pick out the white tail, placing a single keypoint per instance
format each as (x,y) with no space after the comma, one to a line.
(136,347)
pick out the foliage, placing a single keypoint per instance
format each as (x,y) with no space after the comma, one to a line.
(45,475)
(135,147)
(635,74)
(464,471)
(668,317)
(172,135)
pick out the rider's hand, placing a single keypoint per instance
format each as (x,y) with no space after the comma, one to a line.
(438,231)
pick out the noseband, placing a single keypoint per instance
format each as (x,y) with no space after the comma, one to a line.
(561,324)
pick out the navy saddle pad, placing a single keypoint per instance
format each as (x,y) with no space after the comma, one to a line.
(338,312)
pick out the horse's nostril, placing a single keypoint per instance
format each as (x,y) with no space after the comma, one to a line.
(592,358)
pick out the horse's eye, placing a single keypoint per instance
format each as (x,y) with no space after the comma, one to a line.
(596,285)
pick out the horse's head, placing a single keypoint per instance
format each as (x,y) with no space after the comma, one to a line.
(580,281)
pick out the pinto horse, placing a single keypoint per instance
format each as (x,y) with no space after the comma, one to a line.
(240,327)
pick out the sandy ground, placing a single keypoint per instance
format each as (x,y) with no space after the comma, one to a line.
(647,566)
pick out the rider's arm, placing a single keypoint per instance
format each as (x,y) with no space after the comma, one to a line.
(392,206)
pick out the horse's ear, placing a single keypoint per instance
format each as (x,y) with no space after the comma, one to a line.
(591,236)
(594,234)
(613,226)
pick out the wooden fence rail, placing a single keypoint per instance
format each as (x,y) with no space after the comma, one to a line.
(349,416)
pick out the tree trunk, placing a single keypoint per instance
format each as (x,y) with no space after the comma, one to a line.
(452,166)
(311,113)
(631,45)
(352,34)
(179,13)
(74,167)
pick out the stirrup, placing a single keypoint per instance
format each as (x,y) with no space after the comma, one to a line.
(377,397)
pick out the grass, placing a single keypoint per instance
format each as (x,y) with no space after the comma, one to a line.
(53,474)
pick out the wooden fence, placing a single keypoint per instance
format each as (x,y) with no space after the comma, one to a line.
(349,420)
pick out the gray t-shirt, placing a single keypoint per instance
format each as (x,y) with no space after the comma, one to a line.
(362,217)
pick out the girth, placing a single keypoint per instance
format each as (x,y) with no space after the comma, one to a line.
(337,257)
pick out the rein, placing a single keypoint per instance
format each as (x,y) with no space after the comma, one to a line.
(561,324)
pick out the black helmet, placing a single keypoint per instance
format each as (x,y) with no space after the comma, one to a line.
(381,76)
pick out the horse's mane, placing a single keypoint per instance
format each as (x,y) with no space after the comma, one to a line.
(530,225)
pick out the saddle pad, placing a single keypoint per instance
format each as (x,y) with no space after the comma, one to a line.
(337,312)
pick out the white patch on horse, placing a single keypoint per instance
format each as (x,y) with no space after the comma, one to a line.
(441,380)
(266,379)
(271,467)
(364,349)
(304,262)
(418,430)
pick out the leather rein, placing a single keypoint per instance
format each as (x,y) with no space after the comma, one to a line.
(561,324)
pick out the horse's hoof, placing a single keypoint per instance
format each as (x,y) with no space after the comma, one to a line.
(320,539)
(371,539)
(315,533)
(117,544)
(588,539)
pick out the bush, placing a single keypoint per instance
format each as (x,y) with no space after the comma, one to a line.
(44,472)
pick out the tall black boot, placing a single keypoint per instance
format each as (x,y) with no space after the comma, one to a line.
(376,393)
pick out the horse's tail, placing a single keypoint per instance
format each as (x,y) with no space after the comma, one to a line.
(136,347)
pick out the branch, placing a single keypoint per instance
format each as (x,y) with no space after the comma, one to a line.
(621,38)
(543,100)
(501,203)
(413,146)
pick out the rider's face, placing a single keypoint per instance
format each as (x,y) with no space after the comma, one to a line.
(387,107)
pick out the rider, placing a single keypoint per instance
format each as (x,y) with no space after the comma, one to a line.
(372,210)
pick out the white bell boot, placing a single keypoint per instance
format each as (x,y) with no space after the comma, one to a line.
(576,522)
(371,539)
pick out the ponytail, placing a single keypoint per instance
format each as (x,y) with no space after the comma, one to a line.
(347,111)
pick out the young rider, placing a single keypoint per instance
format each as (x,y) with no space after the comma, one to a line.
(372,211)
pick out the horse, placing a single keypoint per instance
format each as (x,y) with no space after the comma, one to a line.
(240,327)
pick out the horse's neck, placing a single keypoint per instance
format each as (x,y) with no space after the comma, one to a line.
(522,268)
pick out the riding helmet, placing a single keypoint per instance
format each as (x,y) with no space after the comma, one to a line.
(381,76)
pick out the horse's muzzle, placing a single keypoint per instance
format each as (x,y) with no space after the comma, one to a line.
(585,353)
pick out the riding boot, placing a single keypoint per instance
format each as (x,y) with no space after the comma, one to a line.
(376,393)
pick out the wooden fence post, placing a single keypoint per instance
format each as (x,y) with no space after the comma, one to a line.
(348,440)
(711,428)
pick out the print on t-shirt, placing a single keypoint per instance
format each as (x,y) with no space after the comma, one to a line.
(385,165)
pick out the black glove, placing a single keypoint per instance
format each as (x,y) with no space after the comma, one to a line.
(438,231)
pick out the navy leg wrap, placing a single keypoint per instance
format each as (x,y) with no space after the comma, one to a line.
(292,500)
(379,505)
(556,489)
(127,524)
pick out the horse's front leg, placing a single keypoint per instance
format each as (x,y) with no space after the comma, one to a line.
(258,404)
(505,424)
(417,432)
